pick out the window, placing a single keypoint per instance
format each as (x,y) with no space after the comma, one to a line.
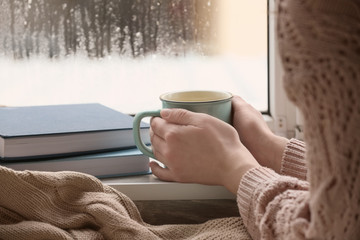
(125,53)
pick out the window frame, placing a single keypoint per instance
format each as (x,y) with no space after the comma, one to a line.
(282,117)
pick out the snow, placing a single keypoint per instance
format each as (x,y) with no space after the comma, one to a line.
(126,84)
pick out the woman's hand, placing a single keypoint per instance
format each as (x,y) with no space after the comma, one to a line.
(266,147)
(198,148)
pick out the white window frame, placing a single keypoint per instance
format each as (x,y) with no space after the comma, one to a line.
(283,117)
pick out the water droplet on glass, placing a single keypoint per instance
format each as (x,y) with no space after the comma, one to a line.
(102,28)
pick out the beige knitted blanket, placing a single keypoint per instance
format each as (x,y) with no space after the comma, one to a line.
(69,205)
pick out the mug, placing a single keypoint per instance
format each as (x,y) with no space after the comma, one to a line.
(214,103)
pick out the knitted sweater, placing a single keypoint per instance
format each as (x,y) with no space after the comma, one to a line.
(69,205)
(320,48)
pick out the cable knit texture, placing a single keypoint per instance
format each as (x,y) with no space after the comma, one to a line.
(68,205)
(320,48)
(293,162)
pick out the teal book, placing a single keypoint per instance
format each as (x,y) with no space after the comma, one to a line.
(102,165)
(64,130)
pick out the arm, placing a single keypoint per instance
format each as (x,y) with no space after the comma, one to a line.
(275,152)
(271,205)
(280,207)
(199,148)
(274,206)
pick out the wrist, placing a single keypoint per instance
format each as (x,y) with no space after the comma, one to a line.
(244,162)
(234,179)
(275,150)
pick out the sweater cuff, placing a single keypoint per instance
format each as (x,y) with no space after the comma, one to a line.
(293,161)
(245,195)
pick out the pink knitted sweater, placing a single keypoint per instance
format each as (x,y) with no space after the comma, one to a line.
(317,195)
(320,49)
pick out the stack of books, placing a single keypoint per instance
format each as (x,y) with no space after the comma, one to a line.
(88,138)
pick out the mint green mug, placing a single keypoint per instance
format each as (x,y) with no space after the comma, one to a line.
(214,103)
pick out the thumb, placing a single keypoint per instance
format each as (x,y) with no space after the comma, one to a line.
(178,116)
(238,101)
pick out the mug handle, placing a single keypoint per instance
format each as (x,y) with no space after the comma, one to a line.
(136,131)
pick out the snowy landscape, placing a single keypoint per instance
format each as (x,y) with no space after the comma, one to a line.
(120,53)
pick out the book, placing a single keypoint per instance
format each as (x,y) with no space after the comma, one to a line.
(64,130)
(102,165)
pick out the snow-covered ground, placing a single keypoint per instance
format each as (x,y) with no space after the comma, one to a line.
(128,85)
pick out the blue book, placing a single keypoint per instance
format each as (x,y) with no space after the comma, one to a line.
(64,130)
(109,164)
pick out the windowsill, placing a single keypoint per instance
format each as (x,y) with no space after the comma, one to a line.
(148,187)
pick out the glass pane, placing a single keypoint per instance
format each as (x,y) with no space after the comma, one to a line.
(125,53)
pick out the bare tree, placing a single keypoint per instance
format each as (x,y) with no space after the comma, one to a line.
(98,28)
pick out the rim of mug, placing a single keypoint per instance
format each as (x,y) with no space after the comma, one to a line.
(219,99)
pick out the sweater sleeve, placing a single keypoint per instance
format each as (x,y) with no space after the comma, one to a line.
(321,76)
(274,205)
(262,186)
(293,160)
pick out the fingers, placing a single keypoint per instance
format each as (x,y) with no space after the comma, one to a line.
(179,116)
(159,135)
(159,127)
(165,129)
(156,142)
(160,172)
(157,145)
